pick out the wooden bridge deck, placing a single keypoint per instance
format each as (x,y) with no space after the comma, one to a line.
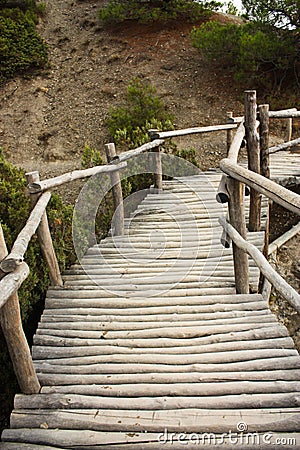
(150,336)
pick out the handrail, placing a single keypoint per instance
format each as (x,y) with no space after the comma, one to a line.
(287,291)
(12,282)
(269,188)
(16,256)
(52,183)
(142,149)
(188,131)
(284,146)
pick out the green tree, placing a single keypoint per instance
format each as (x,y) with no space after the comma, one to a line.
(284,14)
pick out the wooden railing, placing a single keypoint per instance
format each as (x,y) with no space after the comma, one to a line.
(256,177)
(13,269)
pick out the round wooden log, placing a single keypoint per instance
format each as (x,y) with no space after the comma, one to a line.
(237,218)
(277,281)
(118,219)
(142,149)
(76,401)
(253,156)
(16,256)
(44,237)
(36,186)
(195,130)
(10,319)
(270,189)
(10,284)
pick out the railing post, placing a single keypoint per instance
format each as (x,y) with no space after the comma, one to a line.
(229,132)
(111,154)
(157,175)
(289,129)
(44,237)
(237,220)
(253,156)
(264,170)
(11,323)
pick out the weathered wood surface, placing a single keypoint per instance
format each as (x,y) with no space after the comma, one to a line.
(195,130)
(51,183)
(148,334)
(16,256)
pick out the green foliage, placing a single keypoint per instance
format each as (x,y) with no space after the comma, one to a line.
(277,13)
(22,50)
(91,157)
(162,10)
(129,124)
(15,209)
(254,52)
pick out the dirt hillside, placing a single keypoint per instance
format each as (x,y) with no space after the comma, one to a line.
(47,120)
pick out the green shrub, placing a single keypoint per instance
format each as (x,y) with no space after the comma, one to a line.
(253,52)
(15,209)
(129,124)
(22,50)
(162,10)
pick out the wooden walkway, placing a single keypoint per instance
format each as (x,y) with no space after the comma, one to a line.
(149,338)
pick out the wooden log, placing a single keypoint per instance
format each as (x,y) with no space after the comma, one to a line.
(118,218)
(229,132)
(284,146)
(49,352)
(237,219)
(277,281)
(285,113)
(264,140)
(74,401)
(222,194)
(279,242)
(196,420)
(236,143)
(176,359)
(157,175)
(11,323)
(289,129)
(16,256)
(252,140)
(44,237)
(186,332)
(141,440)
(192,377)
(142,149)
(195,130)
(270,332)
(178,389)
(16,446)
(10,284)
(269,188)
(36,186)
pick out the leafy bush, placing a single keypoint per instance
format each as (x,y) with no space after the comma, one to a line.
(148,11)
(22,50)
(129,124)
(253,52)
(15,208)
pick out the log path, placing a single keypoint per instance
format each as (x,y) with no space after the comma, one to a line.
(148,335)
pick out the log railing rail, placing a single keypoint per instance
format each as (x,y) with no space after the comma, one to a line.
(256,177)
(13,269)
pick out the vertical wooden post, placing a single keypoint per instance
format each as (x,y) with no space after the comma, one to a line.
(229,132)
(237,220)
(265,171)
(157,175)
(264,140)
(253,156)
(44,236)
(289,129)
(11,323)
(111,154)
